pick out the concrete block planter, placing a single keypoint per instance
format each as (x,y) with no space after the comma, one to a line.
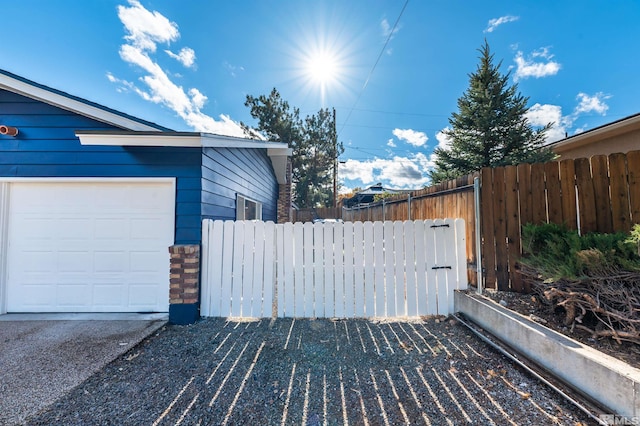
(611,382)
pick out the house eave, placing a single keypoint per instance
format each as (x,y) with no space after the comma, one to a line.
(67,102)
(625,125)
(277,151)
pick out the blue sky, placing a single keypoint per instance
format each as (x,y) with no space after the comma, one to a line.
(189,65)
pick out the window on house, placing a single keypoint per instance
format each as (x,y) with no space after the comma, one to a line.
(247,209)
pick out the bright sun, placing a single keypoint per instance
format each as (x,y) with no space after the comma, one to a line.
(322,68)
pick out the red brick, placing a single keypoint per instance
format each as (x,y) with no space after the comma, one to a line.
(188,276)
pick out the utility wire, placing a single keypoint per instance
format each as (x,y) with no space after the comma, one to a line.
(366,82)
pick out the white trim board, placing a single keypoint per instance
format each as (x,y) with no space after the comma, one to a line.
(4,228)
(277,151)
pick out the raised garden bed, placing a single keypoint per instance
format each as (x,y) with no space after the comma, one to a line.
(611,382)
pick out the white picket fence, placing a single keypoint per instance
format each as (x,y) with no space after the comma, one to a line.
(332,270)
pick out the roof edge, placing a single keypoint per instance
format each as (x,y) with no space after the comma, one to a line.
(22,86)
(608,130)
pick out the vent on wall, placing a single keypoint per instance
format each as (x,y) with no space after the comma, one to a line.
(8,130)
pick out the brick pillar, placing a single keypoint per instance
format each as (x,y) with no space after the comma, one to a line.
(184,284)
(284,197)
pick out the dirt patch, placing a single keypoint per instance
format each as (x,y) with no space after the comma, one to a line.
(529,306)
(312,372)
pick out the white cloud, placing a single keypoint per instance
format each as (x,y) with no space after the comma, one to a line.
(496,22)
(197,98)
(529,67)
(387,30)
(232,69)
(593,103)
(186,56)
(399,172)
(444,142)
(391,143)
(539,115)
(410,136)
(144,29)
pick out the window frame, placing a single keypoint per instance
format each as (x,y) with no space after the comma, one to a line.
(241,207)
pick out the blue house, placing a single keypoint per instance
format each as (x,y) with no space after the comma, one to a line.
(92,199)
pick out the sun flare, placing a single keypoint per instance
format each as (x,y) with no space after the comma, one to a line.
(322,68)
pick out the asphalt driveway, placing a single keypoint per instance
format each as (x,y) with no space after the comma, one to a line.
(43,356)
(311,372)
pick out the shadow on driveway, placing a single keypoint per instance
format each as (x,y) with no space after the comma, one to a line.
(44,356)
(311,372)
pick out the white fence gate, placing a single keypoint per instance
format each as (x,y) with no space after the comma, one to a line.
(342,270)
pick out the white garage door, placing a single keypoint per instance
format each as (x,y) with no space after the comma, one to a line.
(89,246)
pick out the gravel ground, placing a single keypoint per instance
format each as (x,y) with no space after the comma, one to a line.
(311,372)
(40,360)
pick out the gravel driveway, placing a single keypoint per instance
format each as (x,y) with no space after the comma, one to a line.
(311,372)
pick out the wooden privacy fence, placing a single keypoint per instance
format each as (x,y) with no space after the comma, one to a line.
(453,198)
(343,270)
(308,215)
(600,194)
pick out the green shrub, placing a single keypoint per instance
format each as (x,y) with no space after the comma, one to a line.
(557,252)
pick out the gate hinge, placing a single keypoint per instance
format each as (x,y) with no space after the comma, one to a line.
(446,225)
(441,267)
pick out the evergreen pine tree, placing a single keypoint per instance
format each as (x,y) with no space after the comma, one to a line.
(490,129)
(313,141)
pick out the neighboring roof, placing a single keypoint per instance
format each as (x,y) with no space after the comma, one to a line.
(277,151)
(609,130)
(367,196)
(33,90)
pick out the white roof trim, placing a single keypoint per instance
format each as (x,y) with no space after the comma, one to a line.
(42,94)
(130,139)
(277,151)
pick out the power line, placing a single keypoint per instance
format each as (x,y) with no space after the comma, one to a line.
(366,82)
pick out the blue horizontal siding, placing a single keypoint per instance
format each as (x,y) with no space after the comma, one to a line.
(46,146)
(207,180)
(227,173)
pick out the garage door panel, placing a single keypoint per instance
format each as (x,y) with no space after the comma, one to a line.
(142,261)
(109,228)
(145,229)
(73,228)
(110,261)
(76,295)
(35,228)
(109,294)
(89,246)
(37,261)
(74,262)
(42,294)
(143,295)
